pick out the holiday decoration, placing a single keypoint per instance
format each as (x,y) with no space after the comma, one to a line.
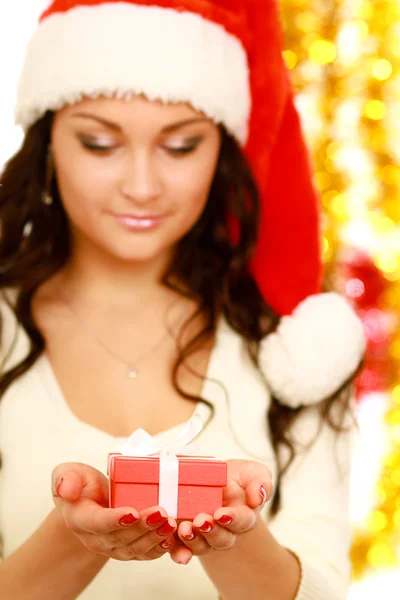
(344,56)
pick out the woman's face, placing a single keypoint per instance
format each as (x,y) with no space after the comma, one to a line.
(134,176)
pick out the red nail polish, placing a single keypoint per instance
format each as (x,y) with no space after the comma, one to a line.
(263,495)
(206,527)
(165,545)
(155,519)
(165,529)
(225,520)
(190,536)
(128,520)
(59,484)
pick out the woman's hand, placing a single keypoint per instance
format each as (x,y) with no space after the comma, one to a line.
(249,487)
(80,493)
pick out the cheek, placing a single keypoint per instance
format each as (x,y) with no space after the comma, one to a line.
(191,189)
(83,185)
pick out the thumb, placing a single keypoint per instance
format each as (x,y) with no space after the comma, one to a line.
(254,478)
(71,481)
(258,491)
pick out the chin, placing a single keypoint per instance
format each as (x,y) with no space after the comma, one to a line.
(144,254)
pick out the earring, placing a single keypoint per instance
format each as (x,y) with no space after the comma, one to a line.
(27,230)
(47,198)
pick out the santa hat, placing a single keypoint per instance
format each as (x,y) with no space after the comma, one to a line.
(225,58)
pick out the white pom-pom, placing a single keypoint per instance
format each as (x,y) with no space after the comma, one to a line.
(314,351)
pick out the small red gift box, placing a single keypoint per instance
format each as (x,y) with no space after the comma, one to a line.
(135,482)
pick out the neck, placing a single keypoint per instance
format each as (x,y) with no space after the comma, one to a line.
(96,278)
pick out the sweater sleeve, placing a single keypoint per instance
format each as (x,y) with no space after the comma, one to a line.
(314,521)
(8,337)
(14,342)
(8,327)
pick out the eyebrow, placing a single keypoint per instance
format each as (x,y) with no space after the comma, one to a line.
(115,127)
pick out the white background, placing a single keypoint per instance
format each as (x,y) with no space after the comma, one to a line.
(17,21)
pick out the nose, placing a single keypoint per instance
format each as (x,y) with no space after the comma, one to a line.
(140,181)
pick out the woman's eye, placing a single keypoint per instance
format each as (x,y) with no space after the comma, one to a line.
(175,150)
(182,150)
(96,147)
(189,146)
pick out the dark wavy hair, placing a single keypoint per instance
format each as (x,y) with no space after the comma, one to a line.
(208,267)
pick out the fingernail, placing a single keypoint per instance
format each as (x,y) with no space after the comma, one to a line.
(185,562)
(129,519)
(155,518)
(206,527)
(189,536)
(165,529)
(225,520)
(263,495)
(165,545)
(59,484)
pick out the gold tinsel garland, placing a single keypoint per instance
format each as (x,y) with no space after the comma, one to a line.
(345,60)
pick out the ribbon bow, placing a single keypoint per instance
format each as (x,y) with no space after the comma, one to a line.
(141,443)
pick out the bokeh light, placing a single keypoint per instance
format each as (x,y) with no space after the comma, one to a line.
(344,56)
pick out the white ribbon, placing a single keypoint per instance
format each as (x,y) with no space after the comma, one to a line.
(142,444)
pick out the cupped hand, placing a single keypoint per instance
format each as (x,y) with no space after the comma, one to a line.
(80,493)
(249,487)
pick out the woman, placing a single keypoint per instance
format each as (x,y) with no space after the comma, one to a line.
(160,257)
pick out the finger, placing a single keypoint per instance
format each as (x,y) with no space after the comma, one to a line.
(163,548)
(68,487)
(132,542)
(258,492)
(84,515)
(152,535)
(108,544)
(217,537)
(236,520)
(192,539)
(151,539)
(158,551)
(151,519)
(149,543)
(73,480)
(181,554)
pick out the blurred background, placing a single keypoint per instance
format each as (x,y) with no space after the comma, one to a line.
(345,59)
(344,56)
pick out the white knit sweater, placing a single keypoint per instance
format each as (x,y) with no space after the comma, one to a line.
(39,431)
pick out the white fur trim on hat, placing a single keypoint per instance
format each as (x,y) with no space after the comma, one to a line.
(314,351)
(121,49)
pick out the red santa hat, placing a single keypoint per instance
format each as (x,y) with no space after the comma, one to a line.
(224,57)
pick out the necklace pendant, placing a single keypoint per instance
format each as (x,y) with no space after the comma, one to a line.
(132,372)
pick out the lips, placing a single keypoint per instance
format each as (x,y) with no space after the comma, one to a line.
(139,222)
(137,217)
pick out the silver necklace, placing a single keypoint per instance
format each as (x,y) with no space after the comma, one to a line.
(131,366)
